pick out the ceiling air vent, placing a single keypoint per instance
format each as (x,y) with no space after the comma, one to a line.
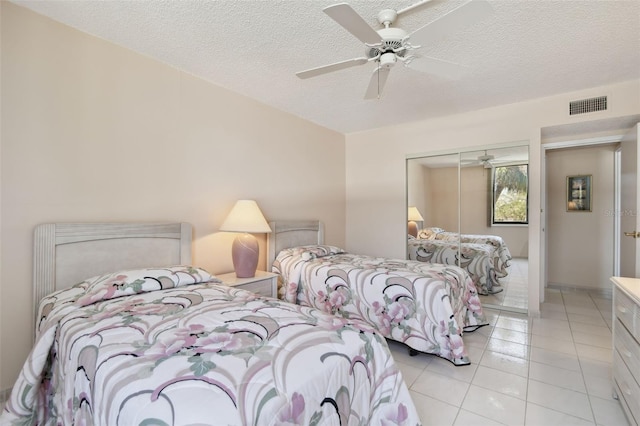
(588,105)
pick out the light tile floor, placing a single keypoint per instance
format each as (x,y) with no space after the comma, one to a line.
(514,285)
(552,370)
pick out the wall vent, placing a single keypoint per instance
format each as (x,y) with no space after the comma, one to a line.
(588,105)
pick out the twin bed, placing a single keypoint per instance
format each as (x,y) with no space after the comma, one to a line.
(428,307)
(129,332)
(485,257)
(160,341)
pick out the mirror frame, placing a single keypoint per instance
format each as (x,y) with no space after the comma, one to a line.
(460,152)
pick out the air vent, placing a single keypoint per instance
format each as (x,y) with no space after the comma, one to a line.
(588,105)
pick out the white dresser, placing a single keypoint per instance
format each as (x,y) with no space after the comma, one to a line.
(626,345)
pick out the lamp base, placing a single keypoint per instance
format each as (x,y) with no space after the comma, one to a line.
(245,252)
(413,228)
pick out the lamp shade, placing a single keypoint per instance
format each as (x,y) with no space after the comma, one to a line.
(414,214)
(245,216)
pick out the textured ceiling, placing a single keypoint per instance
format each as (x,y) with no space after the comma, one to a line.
(526,49)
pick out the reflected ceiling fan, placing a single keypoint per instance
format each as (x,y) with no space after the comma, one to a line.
(484,160)
(390,45)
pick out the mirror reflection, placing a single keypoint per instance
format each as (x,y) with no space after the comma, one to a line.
(474,210)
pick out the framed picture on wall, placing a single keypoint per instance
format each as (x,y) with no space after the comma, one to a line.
(579,193)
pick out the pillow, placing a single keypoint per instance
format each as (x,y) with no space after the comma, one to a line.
(313,251)
(429,233)
(124,283)
(317,251)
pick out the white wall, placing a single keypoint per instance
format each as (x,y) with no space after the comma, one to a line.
(94,132)
(376,168)
(580,244)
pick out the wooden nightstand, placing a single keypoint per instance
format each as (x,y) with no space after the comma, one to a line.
(263,284)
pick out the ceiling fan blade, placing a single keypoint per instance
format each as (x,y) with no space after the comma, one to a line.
(344,15)
(313,72)
(376,83)
(437,67)
(456,20)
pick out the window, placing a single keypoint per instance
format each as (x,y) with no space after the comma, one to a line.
(510,189)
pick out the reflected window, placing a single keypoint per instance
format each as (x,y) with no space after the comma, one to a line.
(510,189)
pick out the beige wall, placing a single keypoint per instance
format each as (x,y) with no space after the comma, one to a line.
(580,244)
(376,184)
(94,132)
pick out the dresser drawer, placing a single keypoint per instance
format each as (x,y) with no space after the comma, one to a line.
(628,312)
(628,349)
(628,389)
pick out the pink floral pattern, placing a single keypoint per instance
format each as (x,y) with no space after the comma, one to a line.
(479,260)
(427,307)
(179,354)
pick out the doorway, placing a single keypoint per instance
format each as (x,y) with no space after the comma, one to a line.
(601,222)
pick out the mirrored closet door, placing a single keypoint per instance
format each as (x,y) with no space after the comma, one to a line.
(473,206)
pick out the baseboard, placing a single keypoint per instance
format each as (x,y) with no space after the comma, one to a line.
(606,292)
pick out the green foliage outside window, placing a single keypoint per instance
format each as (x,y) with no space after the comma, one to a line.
(510,194)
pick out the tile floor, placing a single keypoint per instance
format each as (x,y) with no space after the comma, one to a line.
(552,370)
(515,292)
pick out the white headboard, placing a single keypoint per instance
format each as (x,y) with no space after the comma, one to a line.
(292,233)
(65,254)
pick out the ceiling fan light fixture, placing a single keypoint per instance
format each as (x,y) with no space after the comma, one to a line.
(388,60)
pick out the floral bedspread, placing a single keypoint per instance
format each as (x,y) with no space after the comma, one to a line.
(477,259)
(425,306)
(502,255)
(134,349)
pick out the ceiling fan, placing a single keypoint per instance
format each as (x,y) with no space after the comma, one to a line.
(390,45)
(485,160)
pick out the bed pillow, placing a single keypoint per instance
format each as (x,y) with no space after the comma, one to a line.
(313,251)
(124,283)
(317,251)
(429,233)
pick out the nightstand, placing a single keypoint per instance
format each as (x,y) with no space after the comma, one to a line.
(263,284)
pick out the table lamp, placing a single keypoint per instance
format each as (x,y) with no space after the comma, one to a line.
(413,217)
(246,218)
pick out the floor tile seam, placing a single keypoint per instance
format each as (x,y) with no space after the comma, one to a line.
(584,373)
(573,345)
(503,393)
(597,314)
(591,329)
(581,378)
(610,348)
(555,366)
(528,357)
(479,415)
(546,335)
(469,388)
(562,387)
(437,399)
(560,412)
(589,323)
(593,417)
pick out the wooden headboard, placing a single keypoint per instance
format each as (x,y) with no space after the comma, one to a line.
(292,233)
(65,254)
